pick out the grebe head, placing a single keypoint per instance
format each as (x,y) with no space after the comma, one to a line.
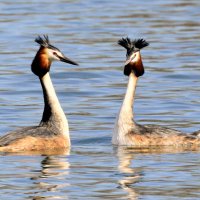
(133,58)
(45,55)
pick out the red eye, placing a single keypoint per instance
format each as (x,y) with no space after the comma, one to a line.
(54,53)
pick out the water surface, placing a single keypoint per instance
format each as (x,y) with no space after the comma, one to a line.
(168,94)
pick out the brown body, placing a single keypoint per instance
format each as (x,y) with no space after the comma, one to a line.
(30,143)
(153,135)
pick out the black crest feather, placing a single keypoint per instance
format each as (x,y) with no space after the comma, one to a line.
(126,43)
(132,45)
(140,43)
(45,42)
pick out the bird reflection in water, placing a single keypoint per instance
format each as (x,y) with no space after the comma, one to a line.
(48,181)
(130,175)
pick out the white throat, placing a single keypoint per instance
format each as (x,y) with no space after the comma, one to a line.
(124,122)
(53,115)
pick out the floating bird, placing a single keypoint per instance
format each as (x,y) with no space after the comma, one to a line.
(52,133)
(126,130)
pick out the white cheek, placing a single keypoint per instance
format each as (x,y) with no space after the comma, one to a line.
(52,57)
(59,54)
(135,57)
(55,58)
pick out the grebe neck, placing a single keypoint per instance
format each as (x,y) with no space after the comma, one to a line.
(53,115)
(130,94)
(124,121)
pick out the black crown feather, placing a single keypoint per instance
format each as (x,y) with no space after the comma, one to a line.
(45,42)
(131,45)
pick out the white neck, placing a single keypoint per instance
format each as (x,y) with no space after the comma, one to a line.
(53,115)
(124,121)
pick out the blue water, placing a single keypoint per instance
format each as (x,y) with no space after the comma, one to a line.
(90,94)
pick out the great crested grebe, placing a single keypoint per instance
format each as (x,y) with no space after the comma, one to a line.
(52,133)
(127,131)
